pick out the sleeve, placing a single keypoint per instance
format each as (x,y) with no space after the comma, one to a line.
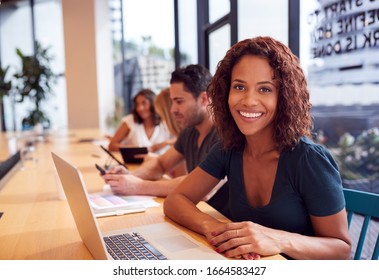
(214,163)
(179,143)
(130,138)
(319,182)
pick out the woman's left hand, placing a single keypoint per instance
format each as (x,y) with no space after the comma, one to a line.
(245,239)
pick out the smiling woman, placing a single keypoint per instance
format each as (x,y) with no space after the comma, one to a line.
(278,176)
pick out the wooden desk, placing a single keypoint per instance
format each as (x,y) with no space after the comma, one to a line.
(37,225)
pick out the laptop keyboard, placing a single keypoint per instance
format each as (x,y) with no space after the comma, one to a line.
(131,246)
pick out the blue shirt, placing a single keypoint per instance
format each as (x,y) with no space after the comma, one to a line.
(307,183)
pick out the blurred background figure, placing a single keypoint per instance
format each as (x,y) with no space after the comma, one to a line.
(163,105)
(143,127)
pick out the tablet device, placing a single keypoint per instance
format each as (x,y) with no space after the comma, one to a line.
(129,154)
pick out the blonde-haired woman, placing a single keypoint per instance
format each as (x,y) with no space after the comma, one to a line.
(162,105)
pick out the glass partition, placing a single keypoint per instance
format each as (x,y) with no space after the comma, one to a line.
(263,18)
(219,43)
(49,34)
(14,35)
(218,9)
(187,32)
(148,48)
(340,56)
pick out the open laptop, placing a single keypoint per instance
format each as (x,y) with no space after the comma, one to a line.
(163,240)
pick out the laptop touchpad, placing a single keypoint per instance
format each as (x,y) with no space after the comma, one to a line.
(176,243)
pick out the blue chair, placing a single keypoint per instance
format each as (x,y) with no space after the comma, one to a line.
(367,205)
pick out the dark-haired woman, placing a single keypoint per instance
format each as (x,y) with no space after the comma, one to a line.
(285,194)
(143,127)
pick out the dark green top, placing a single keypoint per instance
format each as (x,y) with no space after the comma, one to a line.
(307,183)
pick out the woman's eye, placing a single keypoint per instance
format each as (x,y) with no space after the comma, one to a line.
(239,87)
(265,90)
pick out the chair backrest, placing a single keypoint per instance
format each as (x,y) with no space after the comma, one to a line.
(367,205)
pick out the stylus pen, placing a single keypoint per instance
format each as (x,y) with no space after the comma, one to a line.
(112,156)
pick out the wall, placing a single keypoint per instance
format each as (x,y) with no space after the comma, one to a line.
(88,62)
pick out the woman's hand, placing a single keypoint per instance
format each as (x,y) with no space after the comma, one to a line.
(208,230)
(246,239)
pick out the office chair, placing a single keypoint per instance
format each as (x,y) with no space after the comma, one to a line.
(367,205)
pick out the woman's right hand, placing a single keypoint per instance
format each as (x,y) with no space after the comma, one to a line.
(209,226)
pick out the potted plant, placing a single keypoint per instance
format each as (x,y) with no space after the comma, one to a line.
(358,160)
(34,81)
(5,88)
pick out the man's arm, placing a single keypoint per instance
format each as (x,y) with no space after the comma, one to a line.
(131,185)
(155,167)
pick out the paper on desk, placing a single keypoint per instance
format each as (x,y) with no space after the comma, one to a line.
(106,204)
(106,200)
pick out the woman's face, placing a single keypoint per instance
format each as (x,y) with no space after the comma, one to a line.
(143,107)
(253,96)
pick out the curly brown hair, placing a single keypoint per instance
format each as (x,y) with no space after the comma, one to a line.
(293,119)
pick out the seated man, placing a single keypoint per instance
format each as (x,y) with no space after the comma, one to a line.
(189,105)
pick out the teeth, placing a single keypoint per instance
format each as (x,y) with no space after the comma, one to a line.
(250,115)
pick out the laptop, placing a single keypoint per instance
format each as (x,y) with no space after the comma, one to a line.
(161,240)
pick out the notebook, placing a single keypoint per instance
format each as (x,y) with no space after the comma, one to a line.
(163,240)
(106,203)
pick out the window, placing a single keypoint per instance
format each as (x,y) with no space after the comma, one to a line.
(259,18)
(146,57)
(218,9)
(187,32)
(219,43)
(49,33)
(340,56)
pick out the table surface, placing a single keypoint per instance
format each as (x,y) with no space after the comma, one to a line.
(36,223)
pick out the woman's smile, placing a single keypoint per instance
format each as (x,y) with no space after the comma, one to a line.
(250,115)
(253,95)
